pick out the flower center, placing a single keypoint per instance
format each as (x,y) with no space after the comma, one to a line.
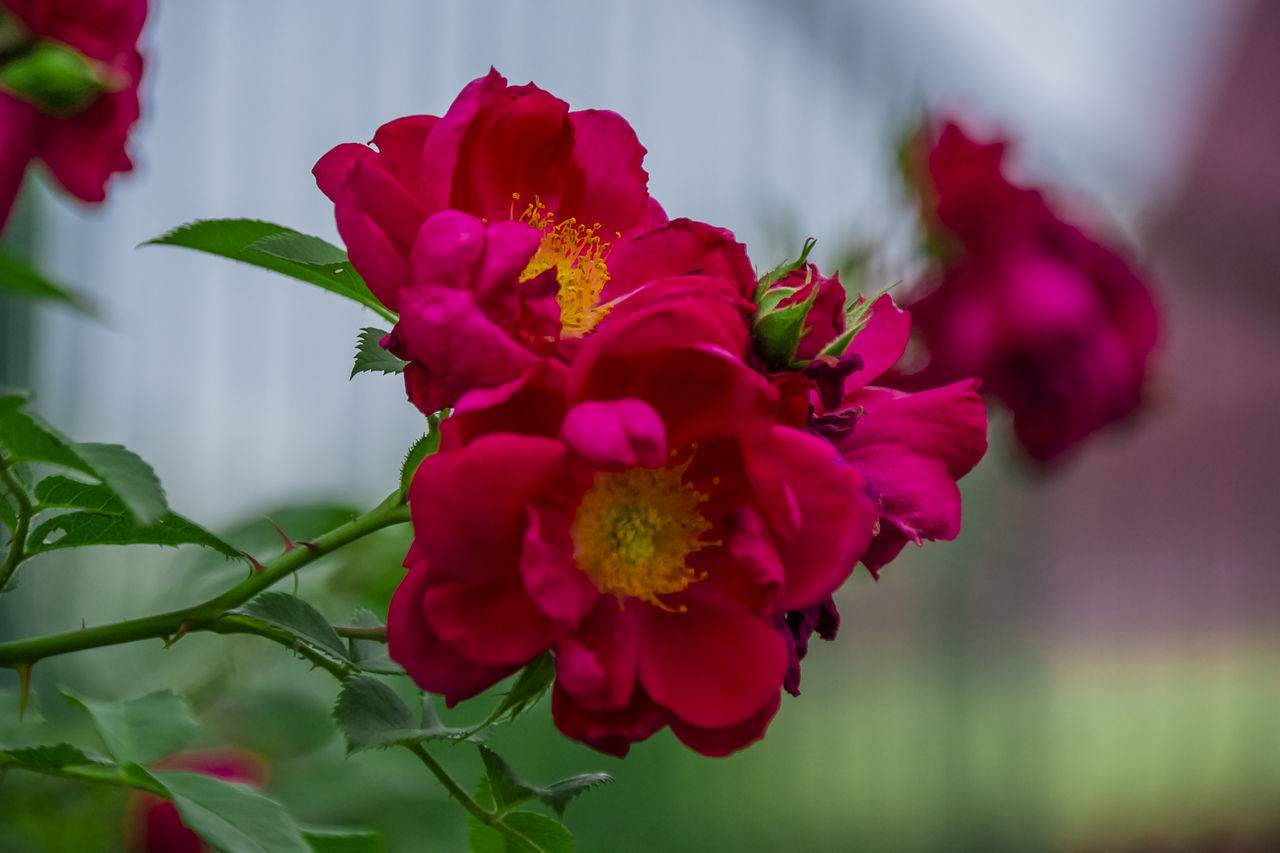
(634,529)
(577,254)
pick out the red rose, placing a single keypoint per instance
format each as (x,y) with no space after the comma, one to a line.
(156,826)
(1058,326)
(82,149)
(500,153)
(642,513)
(543,209)
(480,308)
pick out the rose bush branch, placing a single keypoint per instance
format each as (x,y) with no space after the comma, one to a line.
(204,616)
(18,544)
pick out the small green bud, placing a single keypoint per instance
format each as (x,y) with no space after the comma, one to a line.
(54,77)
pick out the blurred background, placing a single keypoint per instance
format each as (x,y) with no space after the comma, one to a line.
(1092,666)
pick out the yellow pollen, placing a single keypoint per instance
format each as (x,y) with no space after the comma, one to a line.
(634,529)
(577,254)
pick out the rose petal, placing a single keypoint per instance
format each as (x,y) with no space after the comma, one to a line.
(712,668)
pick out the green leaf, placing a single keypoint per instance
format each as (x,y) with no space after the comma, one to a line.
(425,446)
(558,794)
(370,655)
(781,270)
(301,248)
(106,521)
(437,730)
(140,730)
(530,686)
(27,438)
(371,357)
(132,480)
(304,622)
(372,715)
(344,841)
(126,506)
(50,758)
(508,789)
(21,280)
(54,77)
(544,834)
(231,816)
(287,251)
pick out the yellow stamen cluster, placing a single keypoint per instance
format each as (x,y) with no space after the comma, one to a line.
(578,255)
(634,530)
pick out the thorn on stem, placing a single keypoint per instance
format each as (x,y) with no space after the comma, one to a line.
(258,568)
(288,543)
(182,632)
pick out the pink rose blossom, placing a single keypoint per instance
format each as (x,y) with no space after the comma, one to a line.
(82,150)
(642,514)
(1058,326)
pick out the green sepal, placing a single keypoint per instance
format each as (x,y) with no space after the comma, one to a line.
(54,77)
(783,269)
(839,346)
(777,333)
(425,446)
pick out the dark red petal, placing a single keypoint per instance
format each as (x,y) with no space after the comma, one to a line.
(915,493)
(610,732)
(597,662)
(615,191)
(718,743)
(468,507)
(881,341)
(372,253)
(836,518)
(948,423)
(555,585)
(616,434)
(698,391)
(712,668)
(330,171)
(493,623)
(434,665)
(679,248)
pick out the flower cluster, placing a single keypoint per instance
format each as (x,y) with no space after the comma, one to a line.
(1058,326)
(69,73)
(659,467)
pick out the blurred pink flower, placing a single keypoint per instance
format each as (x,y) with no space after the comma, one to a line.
(83,149)
(1058,326)
(156,827)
